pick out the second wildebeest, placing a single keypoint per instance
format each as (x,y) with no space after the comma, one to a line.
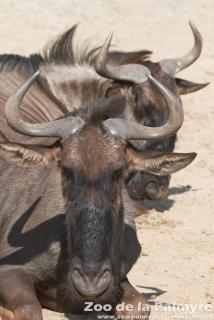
(150,109)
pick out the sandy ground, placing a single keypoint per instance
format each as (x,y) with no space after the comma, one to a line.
(178,237)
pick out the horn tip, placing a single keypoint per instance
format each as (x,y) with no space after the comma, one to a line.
(109,38)
(192,25)
(195,30)
(107,43)
(111,34)
(76,25)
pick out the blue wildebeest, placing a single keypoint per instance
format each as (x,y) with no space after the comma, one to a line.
(67,223)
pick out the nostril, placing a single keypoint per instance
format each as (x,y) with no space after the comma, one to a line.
(77,278)
(151,190)
(105,279)
(77,273)
(155,191)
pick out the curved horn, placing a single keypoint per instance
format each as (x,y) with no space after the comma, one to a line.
(135,73)
(131,72)
(129,130)
(59,128)
(173,66)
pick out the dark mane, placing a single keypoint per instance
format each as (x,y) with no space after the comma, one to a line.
(25,65)
(63,52)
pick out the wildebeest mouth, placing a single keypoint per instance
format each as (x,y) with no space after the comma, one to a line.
(90,281)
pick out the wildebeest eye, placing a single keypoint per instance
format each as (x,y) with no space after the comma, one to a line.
(116,174)
(68,173)
(166,145)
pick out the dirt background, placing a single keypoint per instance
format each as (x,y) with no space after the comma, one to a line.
(178,237)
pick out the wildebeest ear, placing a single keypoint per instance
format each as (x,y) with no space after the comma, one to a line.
(20,155)
(185,86)
(160,165)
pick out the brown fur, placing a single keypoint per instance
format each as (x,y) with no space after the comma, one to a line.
(93,155)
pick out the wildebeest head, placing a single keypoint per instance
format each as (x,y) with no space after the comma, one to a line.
(93,158)
(149,108)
